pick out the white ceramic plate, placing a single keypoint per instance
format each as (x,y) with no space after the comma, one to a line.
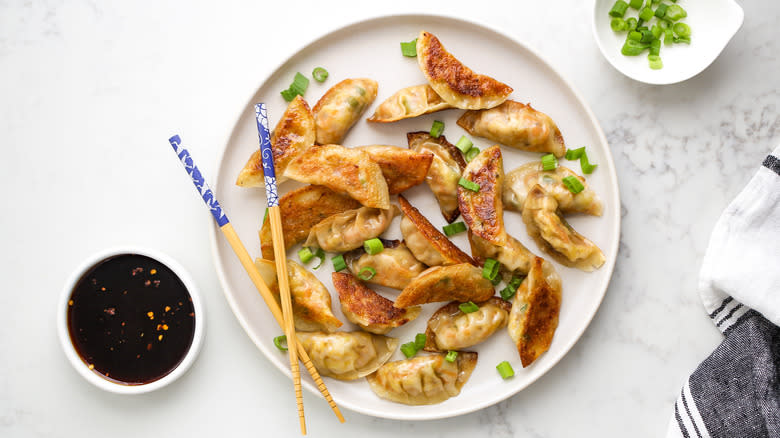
(371,49)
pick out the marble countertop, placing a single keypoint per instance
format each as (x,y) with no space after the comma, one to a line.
(91,90)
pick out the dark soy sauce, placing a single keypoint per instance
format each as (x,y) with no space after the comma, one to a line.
(131,319)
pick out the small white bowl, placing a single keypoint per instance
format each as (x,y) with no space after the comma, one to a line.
(76,360)
(713,23)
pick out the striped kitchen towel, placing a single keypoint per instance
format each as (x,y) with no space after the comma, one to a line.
(735,392)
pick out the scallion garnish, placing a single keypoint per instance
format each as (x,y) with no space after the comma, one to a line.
(631,23)
(573,184)
(511,288)
(278,342)
(473,152)
(660,12)
(655,62)
(618,24)
(320,254)
(419,340)
(618,9)
(408,349)
(409,49)
(646,13)
(490,269)
(451,356)
(505,370)
(668,37)
(298,87)
(549,162)
(585,165)
(366,273)
(305,255)
(453,229)
(675,12)
(319,74)
(682,30)
(339,263)
(636,4)
(655,47)
(437,128)
(265,216)
(575,154)
(466,184)
(469,307)
(633,48)
(464,144)
(373,246)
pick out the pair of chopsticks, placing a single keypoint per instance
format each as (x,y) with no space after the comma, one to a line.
(283,316)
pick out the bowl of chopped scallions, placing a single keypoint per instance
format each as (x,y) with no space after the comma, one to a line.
(664,41)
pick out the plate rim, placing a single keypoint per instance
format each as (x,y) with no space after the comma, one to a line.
(608,166)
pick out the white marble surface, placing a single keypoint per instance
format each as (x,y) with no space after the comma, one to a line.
(91,91)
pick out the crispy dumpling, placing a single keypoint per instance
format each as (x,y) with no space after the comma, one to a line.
(395,266)
(301,209)
(409,102)
(423,380)
(451,329)
(347,355)
(366,308)
(555,236)
(483,210)
(534,315)
(515,125)
(402,168)
(425,241)
(444,172)
(348,230)
(519,182)
(463,282)
(293,134)
(457,84)
(514,257)
(310,299)
(340,107)
(342,170)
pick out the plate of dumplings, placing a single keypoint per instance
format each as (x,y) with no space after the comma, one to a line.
(444,197)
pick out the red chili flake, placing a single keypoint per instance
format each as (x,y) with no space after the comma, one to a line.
(192,314)
(137,270)
(148,347)
(147,283)
(156,283)
(111,311)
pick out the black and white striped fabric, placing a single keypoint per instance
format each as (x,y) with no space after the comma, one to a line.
(736,391)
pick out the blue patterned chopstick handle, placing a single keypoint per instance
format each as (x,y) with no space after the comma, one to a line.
(199,181)
(271,194)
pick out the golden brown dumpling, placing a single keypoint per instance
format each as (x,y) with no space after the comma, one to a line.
(483,210)
(451,329)
(457,84)
(395,266)
(534,315)
(402,168)
(293,134)
(444,172)
(555,236)
(409,102)
(520,181)
(366,308)
(423,380)
(342,170)
(463,282)
(425,241)
(515,125)
(301,209)
(348,230)
(347,355)
(340,107)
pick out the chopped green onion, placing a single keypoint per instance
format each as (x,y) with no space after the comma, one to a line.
(278,342)
(618,9)
(408,349)
(305,255)
(631,23)
(646,13)
(409,49)
(419,340)
(451,356)
(573,184)
(339,263)
(639,23)
(575,154)
(549,162)
(453,229)
(373,246)
(585,165)
(686,40)
(298,87)
(366,273)
(655,62)
(675,12)
(682,29)
(265,216)
(473,152)
(490,269)
(655,47)
(660,12)
(657,31)
(663,24)
(464,144)
(319,74)
(633,48)
(320,254)
(668,37)
(437,128)
(463,182)
(289,95)
(635,35)
(511,288)
(505,369)
(617,24)
(647,36)
(636,4)
(468,307)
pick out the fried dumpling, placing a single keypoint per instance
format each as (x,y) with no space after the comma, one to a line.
(394,267)
(301,209)
(457,84)
(519,182)
(534,315)
(409,102)
(310,299)
(425,241)
(423,380)
(347,355)
(463,282)
(340,107)
(483,210)
(293,134)
(514,257)
(402,168)
(342,170)
(444,172)
(451,329)
(348,230)
(555,236)
(515,125)
(366,308)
